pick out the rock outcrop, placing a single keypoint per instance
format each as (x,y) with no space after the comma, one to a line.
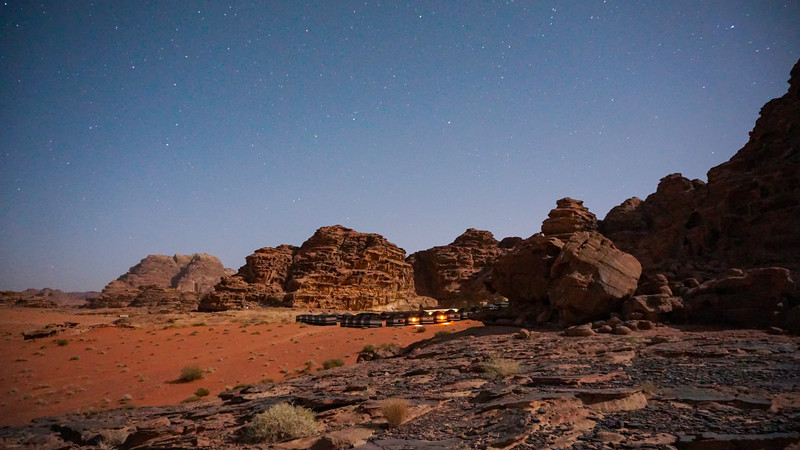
(570,273)
(45,298)
(753,297)
(569,216)
(746,216)
(161,280)
(456,274)
(337,268)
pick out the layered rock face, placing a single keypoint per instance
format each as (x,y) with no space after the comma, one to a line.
(456,274)
(570,272)
(161,280)
(337,268)
(746,216)
(569,216)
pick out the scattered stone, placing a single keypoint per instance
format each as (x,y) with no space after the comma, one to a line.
(622,330)
(580,330)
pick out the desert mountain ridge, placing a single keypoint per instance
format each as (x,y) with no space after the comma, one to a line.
(725,250)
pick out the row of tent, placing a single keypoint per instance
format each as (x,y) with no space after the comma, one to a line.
(392,319)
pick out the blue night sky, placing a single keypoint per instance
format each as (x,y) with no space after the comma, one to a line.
(134,128)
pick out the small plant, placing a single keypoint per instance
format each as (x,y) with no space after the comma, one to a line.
(111,439)
(61,342)
(499,367)
(267,381)
(191,399)
(420,329)
(190,373)
(202,392)
(281,422)
(74,358)
(331,363)
(442,333)
(395,410)
(368,348)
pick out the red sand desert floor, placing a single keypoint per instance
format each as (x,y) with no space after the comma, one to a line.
(98,368)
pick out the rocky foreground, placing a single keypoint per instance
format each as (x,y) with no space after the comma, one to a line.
(499,387)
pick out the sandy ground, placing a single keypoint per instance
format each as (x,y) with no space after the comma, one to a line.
(102,364)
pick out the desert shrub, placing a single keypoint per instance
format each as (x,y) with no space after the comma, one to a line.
(190,373)
(111,439)
(280,422)
(190,399)
(61,342)
(267,381)
(368,348)
(331,363)
(442,333)
(201,392)
(420,329)
(395,410)
(498,367)
(74,358)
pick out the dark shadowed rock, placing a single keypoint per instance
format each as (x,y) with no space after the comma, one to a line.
(746,216)
(753,297)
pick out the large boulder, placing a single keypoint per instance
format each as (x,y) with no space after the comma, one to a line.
(454,274)
(337,268)
(571,276)
(180,278)
(590,278)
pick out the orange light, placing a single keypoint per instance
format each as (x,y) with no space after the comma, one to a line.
(442,317)
(413,320)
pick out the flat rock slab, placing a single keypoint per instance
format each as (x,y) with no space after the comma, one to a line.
(713,441)
(699,396)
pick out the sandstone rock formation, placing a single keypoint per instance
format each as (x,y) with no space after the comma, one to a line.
(336,268)
(161,280)
(753,297)
(590,278)
(569,216)
(454,274)
(745,217)
(571,271)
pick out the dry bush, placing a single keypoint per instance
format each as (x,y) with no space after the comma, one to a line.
(190,373)
(281,422)
(201,392)
(499,367)
(395,410)
(112,439)
(331,363)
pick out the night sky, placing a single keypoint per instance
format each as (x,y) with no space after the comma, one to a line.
(134,128)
